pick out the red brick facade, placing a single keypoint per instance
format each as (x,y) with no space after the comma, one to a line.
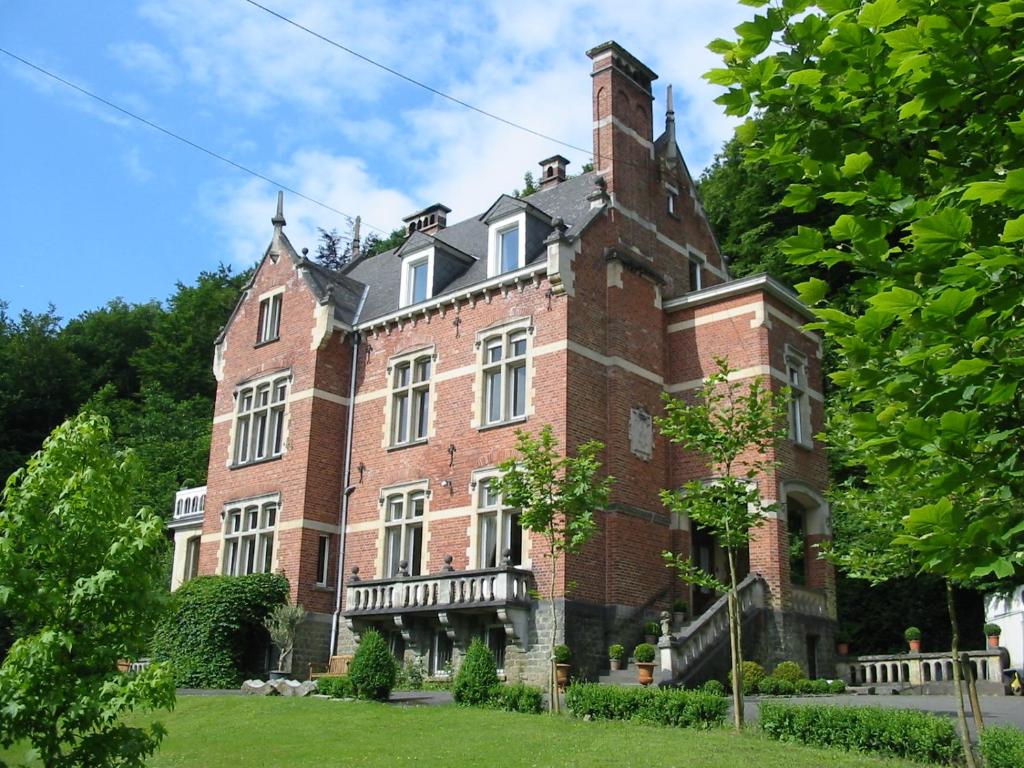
(612,323)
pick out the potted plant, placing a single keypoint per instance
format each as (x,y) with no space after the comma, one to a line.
(913,637)
(644,656)
(992,632)
(651,631)
(562,658)
(282,623)
(616,653)
(679,610)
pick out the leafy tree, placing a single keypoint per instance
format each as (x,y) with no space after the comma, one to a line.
(179,357)
(331,250)
(907,115)
(282,623)
(373,244)
(557,496)
(80,582)
(529,186)
(733,425)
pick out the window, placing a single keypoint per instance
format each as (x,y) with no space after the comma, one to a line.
(504,377)
(508,247)
(498,529)
(270,319)
(191,558)
(249,538)
(323,555)
(441,654)
(259,420)
(494,637)
(696,279)
(418,281)
(671,203)
(799,402)
(417,277)
(410,400)
(403,532)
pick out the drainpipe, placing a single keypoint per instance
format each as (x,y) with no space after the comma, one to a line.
(349,488)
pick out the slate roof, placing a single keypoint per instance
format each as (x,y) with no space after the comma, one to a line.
(382,273)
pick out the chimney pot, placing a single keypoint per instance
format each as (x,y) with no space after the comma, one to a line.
(428,221)
(552,171)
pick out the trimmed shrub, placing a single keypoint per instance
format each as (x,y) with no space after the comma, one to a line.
(616,651)
(517,698)
(563,654)
(658,706)
(212,634)
(993,630)
(789,670)
(652,629)
(804,687)
(1002,746)
(893,732)
(837,686)
(644,653)
(714,687)
(477,676)
(773,686)
(373,669)
(911,633)
(336,686)
(753,674)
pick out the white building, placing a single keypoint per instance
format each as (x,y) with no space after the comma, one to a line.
(1007,610)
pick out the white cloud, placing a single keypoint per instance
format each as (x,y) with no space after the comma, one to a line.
(132,160)
(147,59)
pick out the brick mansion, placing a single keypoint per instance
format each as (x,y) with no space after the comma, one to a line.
(361,416)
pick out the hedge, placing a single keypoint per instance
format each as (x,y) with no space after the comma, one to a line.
(892,732)
(517,698)
(1002,746)
(212,633)
(659,706)
(336,686)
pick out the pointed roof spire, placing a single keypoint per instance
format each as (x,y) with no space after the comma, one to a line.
(278,220)
(670,123)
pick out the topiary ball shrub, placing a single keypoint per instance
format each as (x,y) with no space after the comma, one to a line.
(804,687)
(993,630)
(563,654)
(212,633)
(373,669)
(753,674)
(477,676)
(910,634)
(644,653)
(789,671)
(768,686)
(616,651)
(715,687)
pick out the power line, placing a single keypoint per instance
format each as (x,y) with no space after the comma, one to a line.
(414,81)
(184,140)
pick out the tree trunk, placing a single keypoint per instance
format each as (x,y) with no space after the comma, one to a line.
(554,705)
(961,714)
(972,693)
(734,645)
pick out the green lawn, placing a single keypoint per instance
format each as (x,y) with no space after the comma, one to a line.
(252,731)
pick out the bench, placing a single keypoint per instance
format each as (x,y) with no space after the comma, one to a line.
(338,665)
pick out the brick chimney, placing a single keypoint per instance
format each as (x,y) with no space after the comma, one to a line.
(623,120)
(428,221)
(552,171)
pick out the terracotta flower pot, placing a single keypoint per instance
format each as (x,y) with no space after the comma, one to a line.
(843,649)
(993,641)
(645,672)
(915,646)
(615,664)
(562,674)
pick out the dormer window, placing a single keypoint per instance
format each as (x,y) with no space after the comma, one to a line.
(506,251)
(417,277)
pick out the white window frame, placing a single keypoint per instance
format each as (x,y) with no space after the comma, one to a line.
(695,265)
(799,407)
(437,668)
(489,506)
(249,535)
(193,546)
(323,559)
(409,417)
(269,324)
(260,419)
(503,352)
(409,261)
(495,231)
(672,200)
(399,521)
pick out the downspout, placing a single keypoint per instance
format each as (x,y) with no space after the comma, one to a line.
(349,488)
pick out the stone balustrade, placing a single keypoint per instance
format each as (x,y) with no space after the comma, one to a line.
(190,503)
(809,602)
(447,590)
(928,671)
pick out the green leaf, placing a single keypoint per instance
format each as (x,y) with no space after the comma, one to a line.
(801,198)
(967,367)
(942,233)
(956,424)
(845,198)
(916,106)
(855,164)
(985,192)
(755,35)
(812,291)
(881,14)
(1014,230)
(722,76)
(898,301)
(806,242)
(810,77)
(720,46)
(950,303)
(1002,392)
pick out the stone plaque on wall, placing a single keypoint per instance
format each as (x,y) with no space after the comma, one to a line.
(641,433)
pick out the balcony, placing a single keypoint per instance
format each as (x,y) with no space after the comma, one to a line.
(189,507)
(443,596)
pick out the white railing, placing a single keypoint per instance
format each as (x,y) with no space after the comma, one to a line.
(452,589)
(809,602)
(918,669)
(190,502)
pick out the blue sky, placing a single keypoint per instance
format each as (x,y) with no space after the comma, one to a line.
(98,206)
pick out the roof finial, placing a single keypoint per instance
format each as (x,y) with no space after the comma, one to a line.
(278,220)
(670,123)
